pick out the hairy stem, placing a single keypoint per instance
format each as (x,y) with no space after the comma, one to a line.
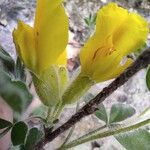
(48,117)
(71,130)
(93,132)
(105,134)
(58,111)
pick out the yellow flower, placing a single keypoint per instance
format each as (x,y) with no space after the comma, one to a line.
(44,44)
(118,33)
(42,49)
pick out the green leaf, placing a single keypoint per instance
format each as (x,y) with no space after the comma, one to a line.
(19,147)
(86,20)
(40,111)
(91,20)
(4,132)
(101,113)
(18,133)
(88,97)
(14,93)
(135,140)
(20,70)
(148,78)
(94,19)
(6,61)
(120,112)
(32,137)
(4,123)
(90,17)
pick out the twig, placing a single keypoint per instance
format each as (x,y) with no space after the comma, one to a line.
(142,62)
(106,134)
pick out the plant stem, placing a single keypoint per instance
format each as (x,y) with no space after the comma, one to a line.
(48,114)
(142,62)
(68,137)
(71,130)
(105,134)
(86,135)
(58,111)
(93,132)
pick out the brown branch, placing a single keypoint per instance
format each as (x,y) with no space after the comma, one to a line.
(142,62)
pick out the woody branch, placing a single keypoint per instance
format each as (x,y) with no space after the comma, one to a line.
(142,62)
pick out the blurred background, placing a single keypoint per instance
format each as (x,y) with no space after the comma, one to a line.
(81,16)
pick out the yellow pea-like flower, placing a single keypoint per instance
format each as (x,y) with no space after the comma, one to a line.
(42,48)
(118,33)
(44,44)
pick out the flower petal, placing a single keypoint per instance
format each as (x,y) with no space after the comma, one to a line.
(131,35)
(112,70)
(120,69)
(117,34)
(102,71)
(51,31)
(62,59)
(109,18)
(24,41)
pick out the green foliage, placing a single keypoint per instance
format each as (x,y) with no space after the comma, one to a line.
(4,123)
(101,113)
(135,140)
(12,82)
(6,61)
(87,97)
(148,78)
(90,20)
(22,138)
(120,112)
(18,133)
(8,65)
(20,70)
(14,93)
(40,111)
(19,147)
(33,136)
